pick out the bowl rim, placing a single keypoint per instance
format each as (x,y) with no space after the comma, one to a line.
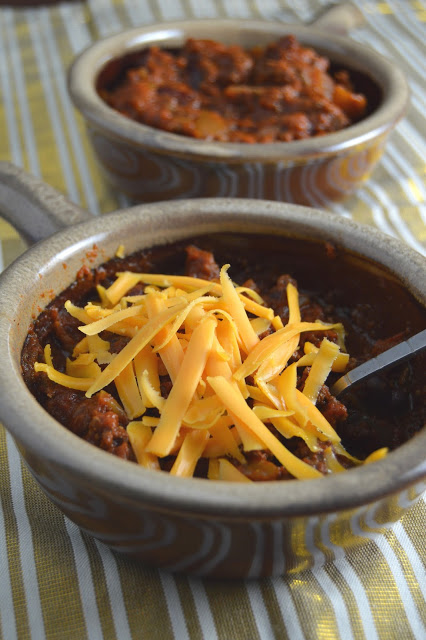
(19,409)
(87,64)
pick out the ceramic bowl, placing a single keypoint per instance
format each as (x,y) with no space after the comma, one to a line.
(191,525)
(149,164)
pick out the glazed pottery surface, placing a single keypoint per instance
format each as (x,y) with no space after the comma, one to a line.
(149,164)
(191,525)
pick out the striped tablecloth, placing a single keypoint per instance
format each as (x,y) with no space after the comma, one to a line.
(56,582)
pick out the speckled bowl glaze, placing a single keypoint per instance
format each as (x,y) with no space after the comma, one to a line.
(150,165)
(191,525)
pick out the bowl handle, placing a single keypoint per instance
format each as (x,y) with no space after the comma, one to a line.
(34,208)
(339,18)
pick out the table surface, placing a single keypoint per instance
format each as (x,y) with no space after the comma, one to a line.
(57,582)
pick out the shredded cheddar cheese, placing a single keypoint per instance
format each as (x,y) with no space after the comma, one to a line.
(233,369)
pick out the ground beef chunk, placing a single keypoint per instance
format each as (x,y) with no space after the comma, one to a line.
(65,328)
(208,90)
(116,342)
(31,353)
(262,466)
(201,264)
(276,297)
(98,420)
(314,458)
(333,410)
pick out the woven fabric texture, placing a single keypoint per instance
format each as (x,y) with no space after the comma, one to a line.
(58,583)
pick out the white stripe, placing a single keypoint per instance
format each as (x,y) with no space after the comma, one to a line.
(113,582)
(353,582)
(7,613)
(18,73)
(52,109)
(237,9)
(1,259)
(274,9)
(395,218)
(407,19)
(140,12)
(174,606)
(289,613)
(204,9)
(393,563)
(418,97)
(105,17)
(7,97)
(171,9)
(410,135)
(85,582)
(76,144)
(408,170)
(412,555)
(330,590)
(259,611)
(406,48)
(302,10)
(25,543)
(74,23)
(377,211)
(367,37)
(388,40)
(404,183)
(202,606)
(417,106)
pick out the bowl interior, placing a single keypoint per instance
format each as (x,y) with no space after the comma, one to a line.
(113,71)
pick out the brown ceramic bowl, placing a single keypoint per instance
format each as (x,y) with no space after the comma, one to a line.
(185,524)
(149,164)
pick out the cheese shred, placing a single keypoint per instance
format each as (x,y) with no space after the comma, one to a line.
(232,369)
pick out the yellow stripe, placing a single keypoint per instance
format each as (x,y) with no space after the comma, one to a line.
(189,611)
(45,140)
(339,581)
(225,597)
(144,598)
(413,524)
(308,595)
(15,100)
(354,613)
(408,571)
(107,198)
(14,558)
(384,527)
(380,587)
(274,612)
